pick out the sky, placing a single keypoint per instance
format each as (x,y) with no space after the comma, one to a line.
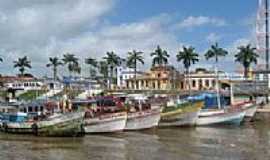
(89,28)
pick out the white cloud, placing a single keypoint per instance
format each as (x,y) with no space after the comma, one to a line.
(192,21)
(77,30)
(31,27)
(213,37)
(144,36)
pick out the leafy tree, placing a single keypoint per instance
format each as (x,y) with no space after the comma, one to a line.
(188,56)
(112,60)
(54,63)
(93,64)
(160,57)
(133,59)
(72,62)
(22,63)
(246,56)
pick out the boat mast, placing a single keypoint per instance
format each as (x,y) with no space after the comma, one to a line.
(266,35)
(217,87)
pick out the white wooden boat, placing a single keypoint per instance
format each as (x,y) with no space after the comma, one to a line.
(106,123)
(184,114)
(67,124)
(210,112)
(18,127)
(143,119)
(232,117)
(250,108)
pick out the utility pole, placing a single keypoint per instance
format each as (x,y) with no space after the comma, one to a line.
(266,35)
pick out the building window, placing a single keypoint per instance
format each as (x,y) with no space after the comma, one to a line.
(207,83)
(194,83)
(30,109)
(159,75)
(214,82)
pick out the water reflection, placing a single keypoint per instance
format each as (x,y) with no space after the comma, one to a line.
(247,142)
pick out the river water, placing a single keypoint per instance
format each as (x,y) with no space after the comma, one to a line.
(248,142)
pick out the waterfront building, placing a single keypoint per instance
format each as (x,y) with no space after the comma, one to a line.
(203,79)
(158,78)
(262,77)
(125,73)
(24,83)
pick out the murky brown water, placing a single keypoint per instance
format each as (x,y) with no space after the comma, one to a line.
(248,142)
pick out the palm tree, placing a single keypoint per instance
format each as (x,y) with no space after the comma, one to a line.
(246,56)
(93,65)
(188,56)
(103,68)
(215,52)
(112,61)
(71,61)
(22,64)
(76,68)
(54,62)
(133,58)
(160,57)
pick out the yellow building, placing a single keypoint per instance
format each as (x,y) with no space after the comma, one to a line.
(158,78)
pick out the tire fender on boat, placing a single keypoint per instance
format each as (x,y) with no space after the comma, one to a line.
(35,128)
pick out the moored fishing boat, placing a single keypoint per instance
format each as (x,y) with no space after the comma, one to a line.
(180,113)
(17,127)
(250,108)
(140,114)
(107,123)
(214,114)
(66,124)
(103,115)
(142,119)
(227,117)
(16,123)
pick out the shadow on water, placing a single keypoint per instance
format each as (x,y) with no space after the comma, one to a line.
(250,141)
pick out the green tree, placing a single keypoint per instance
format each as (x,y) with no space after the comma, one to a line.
(103,69)
(133,59)
(22,63)
(54,63)
(215,52)
(160,57)
(112,61)
(187,56)
(93,64)
(246,56)
(72,63)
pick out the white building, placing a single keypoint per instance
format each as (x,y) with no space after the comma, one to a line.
(123,74)
(262,76)
(202,79)
(24,85)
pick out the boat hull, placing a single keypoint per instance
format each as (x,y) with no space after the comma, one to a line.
(143,119)
(106,124)
(230,118)
(17,127)
(182,116)
(69,124)
(250,111)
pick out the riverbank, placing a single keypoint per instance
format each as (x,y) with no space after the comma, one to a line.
(246,142)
